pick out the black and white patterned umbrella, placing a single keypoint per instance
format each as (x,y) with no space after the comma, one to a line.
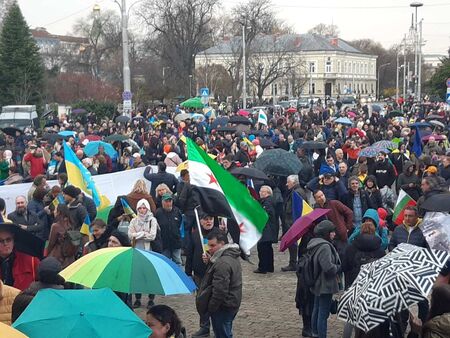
(391,284)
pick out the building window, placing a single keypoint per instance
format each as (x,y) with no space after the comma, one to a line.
(357,88)
(354,68)
(313,88)
(339,66)
(275,89)
(328,66)
(365,86)
(312,67)
(371,88)
(365,69)
(339,88)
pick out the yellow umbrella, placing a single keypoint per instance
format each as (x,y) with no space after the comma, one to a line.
(10,332)
(182,165)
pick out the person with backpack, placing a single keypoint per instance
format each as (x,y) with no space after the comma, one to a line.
(364,248)
(326,266)
(64,241)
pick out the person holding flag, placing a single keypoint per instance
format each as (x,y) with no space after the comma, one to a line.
(77,210)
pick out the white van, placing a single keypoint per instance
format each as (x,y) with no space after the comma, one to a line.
(19,117)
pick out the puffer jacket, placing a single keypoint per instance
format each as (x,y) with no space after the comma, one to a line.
(7,296)
(402,235)
(364,249)
(326,260)
(221,287)
(437,327)
(380,232)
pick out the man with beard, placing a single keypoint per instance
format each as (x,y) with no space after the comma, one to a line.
(36,160)
(383,171)
(27,220)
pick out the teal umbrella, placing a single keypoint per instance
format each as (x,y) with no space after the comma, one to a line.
(80,313)
(193,102)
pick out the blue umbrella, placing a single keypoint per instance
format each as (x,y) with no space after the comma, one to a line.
(67,133)
(376,108)
(385,144)
(91,148)
(372,151)
(199,117)
(420,125)
(80,313)
(344,120)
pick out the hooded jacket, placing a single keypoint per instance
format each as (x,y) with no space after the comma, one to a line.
(384,172)
(169,223)
(363,249)
(403,234)
(326,264)
(380,232)
(437,327)
(221,287)
(406,178)
(7,296)
(374,194)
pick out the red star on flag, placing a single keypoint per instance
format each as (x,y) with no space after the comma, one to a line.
(242,228)
(212,179)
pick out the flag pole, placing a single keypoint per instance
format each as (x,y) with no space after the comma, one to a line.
(199,228)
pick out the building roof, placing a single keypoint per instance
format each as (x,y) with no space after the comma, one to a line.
(286,42)
(41,33)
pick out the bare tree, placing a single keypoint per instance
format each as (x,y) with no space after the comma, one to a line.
(331,31)
(272,59)
(179,29)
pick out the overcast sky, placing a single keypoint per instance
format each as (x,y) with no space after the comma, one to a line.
(385,21)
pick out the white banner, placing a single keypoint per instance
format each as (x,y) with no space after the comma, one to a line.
(111,185)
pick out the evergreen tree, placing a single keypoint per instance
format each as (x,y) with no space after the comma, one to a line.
(437,84)
(21,67)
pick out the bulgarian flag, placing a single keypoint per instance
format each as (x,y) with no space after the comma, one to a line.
(223,195)
(403,201)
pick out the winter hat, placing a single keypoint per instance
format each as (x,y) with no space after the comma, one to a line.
(122,237)
(48,271)
(382,213)
(143,202)
(324,228)
(167,196)
(72,191)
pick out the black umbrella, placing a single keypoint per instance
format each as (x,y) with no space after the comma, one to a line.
(314,145)
(220,121)
(24,241)
(163,117)
(278,162)
(122,119)
(265,143)
(395,113)
(51,123)
(250,173)
(438,203)
(11,131)
(226,129)
(52,137)
(239,120)
(116,137)
(259,132)
(434,117)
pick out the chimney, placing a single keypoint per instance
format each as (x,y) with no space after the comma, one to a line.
(334,41)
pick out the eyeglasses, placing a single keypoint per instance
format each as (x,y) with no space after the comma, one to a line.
(6,240)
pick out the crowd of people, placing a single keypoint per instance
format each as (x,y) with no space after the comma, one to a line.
(338,172)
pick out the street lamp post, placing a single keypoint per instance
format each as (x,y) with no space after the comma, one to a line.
(190,85)
(416,5)
(419,75)
(244,75)
(378,78)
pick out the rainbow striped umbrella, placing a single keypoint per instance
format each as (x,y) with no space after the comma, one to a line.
(129,270)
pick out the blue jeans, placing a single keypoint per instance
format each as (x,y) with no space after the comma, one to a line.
(222,323)
(321,312)
(173,254)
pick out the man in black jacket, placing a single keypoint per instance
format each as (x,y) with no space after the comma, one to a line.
(26,219)
(220,293)
(169,220)
(160,177)
(383,171)
(195,266)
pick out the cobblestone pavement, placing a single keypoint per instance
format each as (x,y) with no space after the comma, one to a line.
(267,309)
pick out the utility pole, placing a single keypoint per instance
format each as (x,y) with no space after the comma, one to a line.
(416,5)
(244,75)
(125,52)
(419,74)
(404,68)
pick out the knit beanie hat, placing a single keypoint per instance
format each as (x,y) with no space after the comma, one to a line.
(324,228)
(72,191)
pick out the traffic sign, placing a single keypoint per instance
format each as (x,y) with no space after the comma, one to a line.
(127,96)
(126,104)
(204,100)
(204,92)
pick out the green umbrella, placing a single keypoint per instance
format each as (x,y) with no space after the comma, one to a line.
(80,313)
(116,137)
(193,102)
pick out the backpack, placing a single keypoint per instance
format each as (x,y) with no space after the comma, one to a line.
(305,270)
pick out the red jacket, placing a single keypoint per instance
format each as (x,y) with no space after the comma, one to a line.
(37,164)
(341,216)
(24,270)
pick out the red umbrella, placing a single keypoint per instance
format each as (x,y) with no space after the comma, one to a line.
(436,137)
(243,112)
(94,137)
(358,131)
(351,114)
(291,110)
(300,227)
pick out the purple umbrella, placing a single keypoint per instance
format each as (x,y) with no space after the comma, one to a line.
(78,111)
(300,227)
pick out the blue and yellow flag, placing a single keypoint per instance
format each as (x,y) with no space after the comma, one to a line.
(126,207)
(299,206)
(80,177)
(86,228)
(58,200)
